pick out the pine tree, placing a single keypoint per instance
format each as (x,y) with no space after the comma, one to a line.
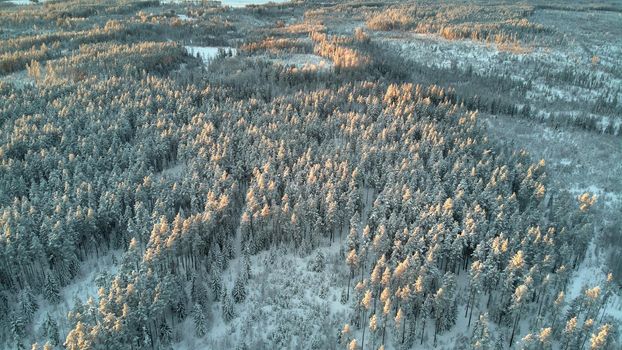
(51,290)
(146,338)
(166,334)
(50,330)
(445,305)
(239,291)
(352,260)
(480,340)
(227,307)
(344,297)
(198,291)
(569,334)
(600,339)
(247,273)
(216,285)
(518,300)
(27,304)
(17,328)
(199,320)
(318,262)
(180,310)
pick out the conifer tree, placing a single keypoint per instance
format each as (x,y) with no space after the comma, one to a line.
(51,290)
(50,330)
(227,306)
(239,290)
(199,320)
(480,339)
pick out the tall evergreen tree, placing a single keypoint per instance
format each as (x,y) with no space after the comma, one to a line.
(200,326)
(239,290)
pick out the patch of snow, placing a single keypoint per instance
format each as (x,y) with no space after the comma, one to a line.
(231,3)
(21,2)
(207,53)
(282,292)
(565,161)
(185,18)
(18,79)
(591,273)
(243,3)
(82,287)
(174,172)
(305,62)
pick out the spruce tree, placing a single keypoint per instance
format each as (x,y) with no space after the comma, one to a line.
(227,307)
(50,330)
(199,320)
(216,285)
(480,340)
(51,290)
(239,290)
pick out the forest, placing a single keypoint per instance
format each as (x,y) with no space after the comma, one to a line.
(307,186)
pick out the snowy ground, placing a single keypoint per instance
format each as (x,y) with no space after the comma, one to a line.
(173,172)
(539,70)
(577,160)
(305,62)
(82,287)
(232,3)
(207,53)
(185,18)
(242,3)
(19,79)
(282,292)
(22,2)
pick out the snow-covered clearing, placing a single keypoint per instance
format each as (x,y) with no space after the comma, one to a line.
(435,51)
(23,2)
(185,18)
(592,272)
(19,79)
(208,53)
(285,300)
(83,287)
(305,62)
(231,3)
(173,172)
(243,3)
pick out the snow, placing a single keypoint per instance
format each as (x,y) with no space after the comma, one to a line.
(608,198)
(82,287)
(174,172)
(305,62)
(592,272)
(18,79)
(243,3)
(231,3)
(24,2)
(282,291)
(185,18)
(207,53)
(20,2)
(434,50)
(565,161)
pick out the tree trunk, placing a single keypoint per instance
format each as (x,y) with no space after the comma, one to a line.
(515,324)
(349,279)
(471,314)
(403,329)
(364,324)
